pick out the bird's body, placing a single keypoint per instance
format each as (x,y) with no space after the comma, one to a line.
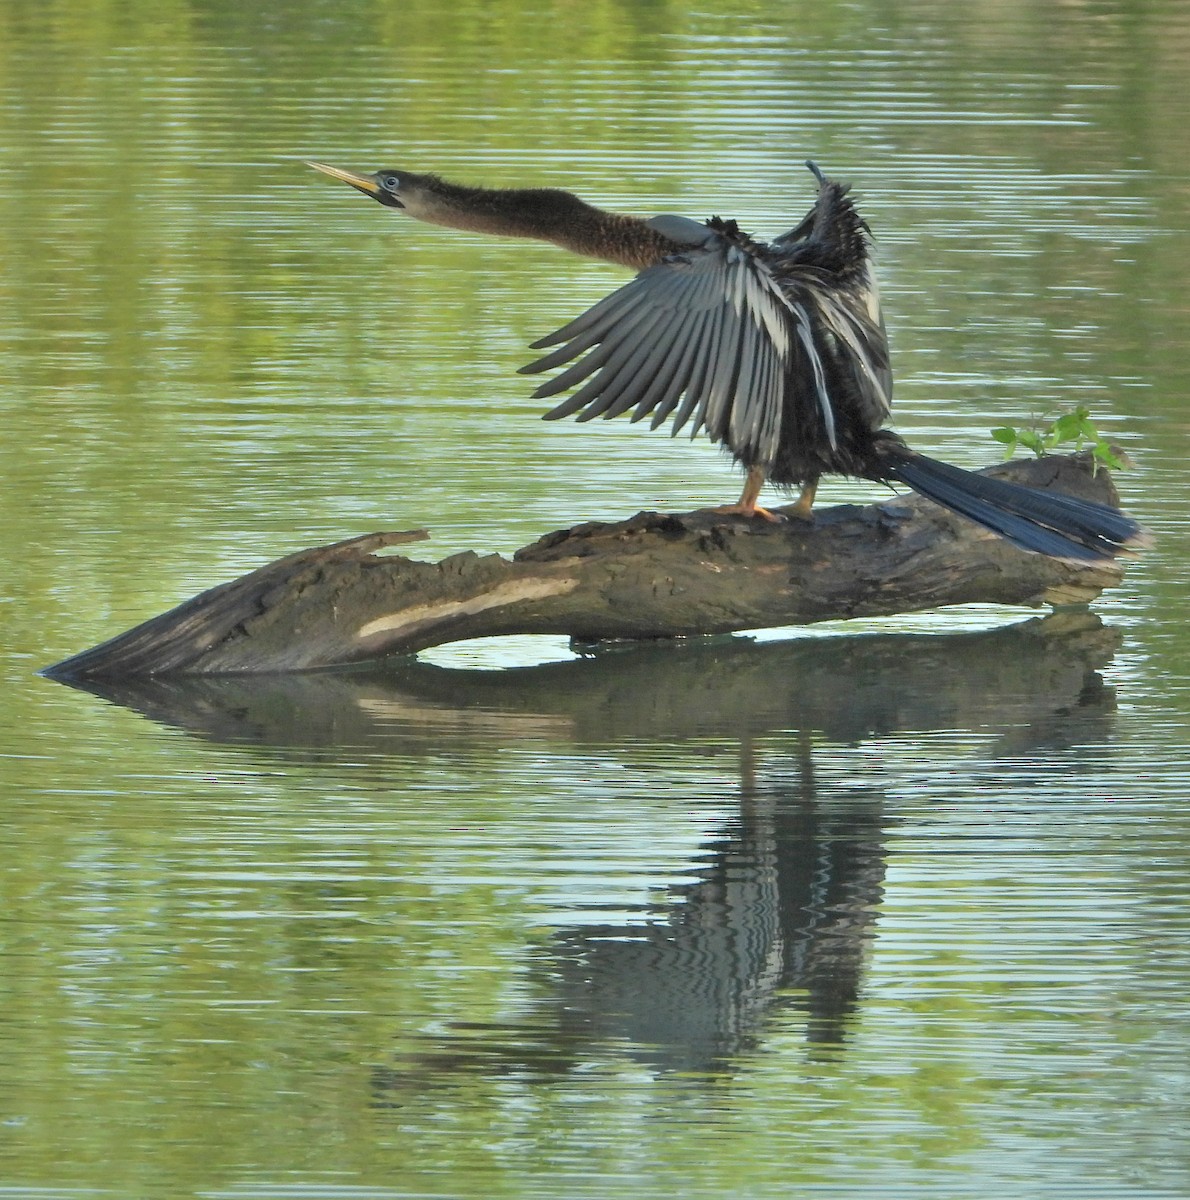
(777,350)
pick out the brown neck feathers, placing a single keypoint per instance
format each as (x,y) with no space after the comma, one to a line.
(549,215)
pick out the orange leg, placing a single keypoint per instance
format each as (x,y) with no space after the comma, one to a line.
(746,506)
(800,508)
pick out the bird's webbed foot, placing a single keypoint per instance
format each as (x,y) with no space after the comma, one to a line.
(746,505)
(742,509)
(800,509)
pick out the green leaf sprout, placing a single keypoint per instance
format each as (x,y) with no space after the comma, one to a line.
(1074,426)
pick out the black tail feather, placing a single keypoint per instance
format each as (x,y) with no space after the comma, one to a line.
(1048,522)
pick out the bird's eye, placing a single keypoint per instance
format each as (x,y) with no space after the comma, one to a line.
(392,183)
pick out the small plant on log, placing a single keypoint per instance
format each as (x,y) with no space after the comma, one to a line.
(1070,427)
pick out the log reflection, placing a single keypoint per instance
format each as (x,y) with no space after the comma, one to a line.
(1034,675)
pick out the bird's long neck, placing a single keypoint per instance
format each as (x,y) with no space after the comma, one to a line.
(549,215)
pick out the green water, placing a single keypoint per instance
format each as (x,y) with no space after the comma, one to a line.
(890,910)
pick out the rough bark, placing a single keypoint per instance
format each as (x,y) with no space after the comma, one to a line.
(655,575)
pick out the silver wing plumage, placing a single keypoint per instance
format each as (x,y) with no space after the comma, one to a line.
(708,335)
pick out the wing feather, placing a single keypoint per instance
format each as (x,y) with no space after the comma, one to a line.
(702,363)
(869,356)
(669,360)
(673,372)
(599,392)
(686,365)
(704,368)
(595,314)
(625,313)
(806,338)
(623,373)
(633,385)
(721,382)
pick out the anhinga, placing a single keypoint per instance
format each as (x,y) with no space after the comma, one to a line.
(777,350)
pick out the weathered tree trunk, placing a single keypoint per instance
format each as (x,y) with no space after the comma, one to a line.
(654,575)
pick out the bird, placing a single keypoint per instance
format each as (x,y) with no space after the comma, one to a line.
(777,350)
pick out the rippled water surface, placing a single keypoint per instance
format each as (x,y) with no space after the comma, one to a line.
(897,908)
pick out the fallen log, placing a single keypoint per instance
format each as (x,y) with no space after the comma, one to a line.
(654,575)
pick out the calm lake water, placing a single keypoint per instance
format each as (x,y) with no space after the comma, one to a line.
(879,909)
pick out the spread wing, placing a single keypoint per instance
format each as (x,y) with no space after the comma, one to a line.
(707,336)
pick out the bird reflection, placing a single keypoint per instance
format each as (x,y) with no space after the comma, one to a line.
(779,918)
(778,921)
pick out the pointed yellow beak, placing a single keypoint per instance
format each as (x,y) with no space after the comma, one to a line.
(365,183)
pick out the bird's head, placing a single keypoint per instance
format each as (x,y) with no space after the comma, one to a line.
(396,189)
